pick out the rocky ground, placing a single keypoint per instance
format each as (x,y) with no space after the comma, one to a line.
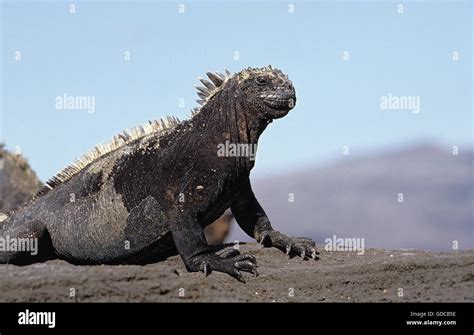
(378,275)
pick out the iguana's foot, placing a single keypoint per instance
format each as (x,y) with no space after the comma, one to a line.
(292,246)
(229,261)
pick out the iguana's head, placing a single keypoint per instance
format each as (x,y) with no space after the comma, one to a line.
(266,93)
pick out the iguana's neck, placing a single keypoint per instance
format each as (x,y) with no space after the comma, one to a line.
(230,121)
(225,120)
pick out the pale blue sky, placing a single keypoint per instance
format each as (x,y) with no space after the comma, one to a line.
(338,101)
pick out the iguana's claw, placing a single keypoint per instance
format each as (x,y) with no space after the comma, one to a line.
(288,249)
(206,269)
(247,266)
(233,263)
(292,246)
(314,254)
(265,241)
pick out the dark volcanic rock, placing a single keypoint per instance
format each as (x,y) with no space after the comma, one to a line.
(18,182)
(378,275)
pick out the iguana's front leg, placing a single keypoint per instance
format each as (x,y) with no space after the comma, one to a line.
(197,255)
(252,219)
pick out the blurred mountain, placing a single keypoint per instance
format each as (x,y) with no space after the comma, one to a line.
(18,182)
(358,197)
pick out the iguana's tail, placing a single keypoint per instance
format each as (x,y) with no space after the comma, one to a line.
(23,241)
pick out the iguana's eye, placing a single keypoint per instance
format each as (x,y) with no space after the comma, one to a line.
(261,81)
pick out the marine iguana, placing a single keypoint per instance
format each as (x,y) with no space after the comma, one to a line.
(149,192)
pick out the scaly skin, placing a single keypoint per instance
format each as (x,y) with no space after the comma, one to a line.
(154,196)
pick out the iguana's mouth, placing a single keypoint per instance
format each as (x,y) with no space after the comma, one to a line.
(280,103)
(277,103)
